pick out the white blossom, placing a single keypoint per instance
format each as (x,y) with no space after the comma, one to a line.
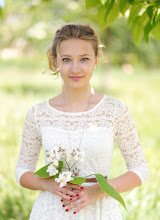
(75,154)
(79,155)
(64,177)
(55,162)
(52,170)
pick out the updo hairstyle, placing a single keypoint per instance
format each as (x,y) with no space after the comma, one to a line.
(66,32)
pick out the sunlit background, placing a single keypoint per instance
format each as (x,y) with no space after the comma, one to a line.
(126,72)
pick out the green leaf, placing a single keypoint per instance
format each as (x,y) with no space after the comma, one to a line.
(106,21)
(138,27)
(78,180)
(156,31)
(147,30)
(150,11)
(92,3)
(109,5)
(42,172)
(112,15)
(131,1)
(56,176)
(100,17)
(123,6)
(60,166)
(107,188)
(134,11)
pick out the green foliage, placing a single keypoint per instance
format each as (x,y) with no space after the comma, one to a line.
(107,17)
(91,4)
(78,180)
(138,27)
(123,6)
(42,172)
(155,31)
(144,15)
(107,188)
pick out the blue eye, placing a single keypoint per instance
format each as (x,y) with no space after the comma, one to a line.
(84,59)
(66,60)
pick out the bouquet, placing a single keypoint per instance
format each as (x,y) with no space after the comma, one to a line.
(61,166)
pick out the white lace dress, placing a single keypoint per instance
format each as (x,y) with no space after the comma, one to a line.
(108,121)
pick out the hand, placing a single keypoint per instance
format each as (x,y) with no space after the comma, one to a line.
(64,192)
(89,195)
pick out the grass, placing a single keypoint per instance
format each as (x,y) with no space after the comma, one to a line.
(22,86)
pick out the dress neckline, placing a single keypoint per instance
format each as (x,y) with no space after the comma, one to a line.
(75,113)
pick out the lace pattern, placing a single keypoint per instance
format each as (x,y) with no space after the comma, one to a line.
(109,121)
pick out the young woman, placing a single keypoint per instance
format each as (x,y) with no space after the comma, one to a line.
(79,117)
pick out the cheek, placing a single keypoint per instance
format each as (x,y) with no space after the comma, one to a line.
(65,69)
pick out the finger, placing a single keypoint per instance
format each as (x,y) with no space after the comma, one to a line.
(64,196)
(70,193)
(74,198)
(66,202)
(74,205)
(75,186)
(79,208)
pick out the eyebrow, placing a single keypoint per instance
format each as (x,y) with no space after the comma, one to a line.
(79,55)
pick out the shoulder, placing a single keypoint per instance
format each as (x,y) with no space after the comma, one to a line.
(117,104)
(39,106)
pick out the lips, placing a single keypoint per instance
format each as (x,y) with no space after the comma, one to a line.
(76,78)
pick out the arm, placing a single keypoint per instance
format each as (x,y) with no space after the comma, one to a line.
(123,183)
(27,160)
(30,146)
(127,139)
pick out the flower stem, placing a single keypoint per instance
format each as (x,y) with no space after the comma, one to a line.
(74,164)
(89,175)
(68,165)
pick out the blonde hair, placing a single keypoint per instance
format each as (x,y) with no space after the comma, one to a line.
(66,32)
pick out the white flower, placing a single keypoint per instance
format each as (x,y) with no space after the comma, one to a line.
(64,177)
(52,170)
(55,162)
(75,154)
(63,147)
(69,157)
(79,156)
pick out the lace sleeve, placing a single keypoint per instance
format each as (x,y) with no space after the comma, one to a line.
(30,145)
(126,137)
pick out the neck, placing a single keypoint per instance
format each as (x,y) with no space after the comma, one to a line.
(77,96)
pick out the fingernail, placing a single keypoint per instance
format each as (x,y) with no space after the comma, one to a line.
(66,210)
(63,205)
(70,198)
(82,187)
(61,200)
(74,212)
(77,194)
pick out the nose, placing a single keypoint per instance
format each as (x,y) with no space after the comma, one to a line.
(75,67)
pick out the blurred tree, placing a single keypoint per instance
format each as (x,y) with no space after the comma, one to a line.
(27,28)
(142,15)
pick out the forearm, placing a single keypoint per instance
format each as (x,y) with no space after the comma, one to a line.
(123,183)
(33,182)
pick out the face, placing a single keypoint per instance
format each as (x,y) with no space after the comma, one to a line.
(76,59)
